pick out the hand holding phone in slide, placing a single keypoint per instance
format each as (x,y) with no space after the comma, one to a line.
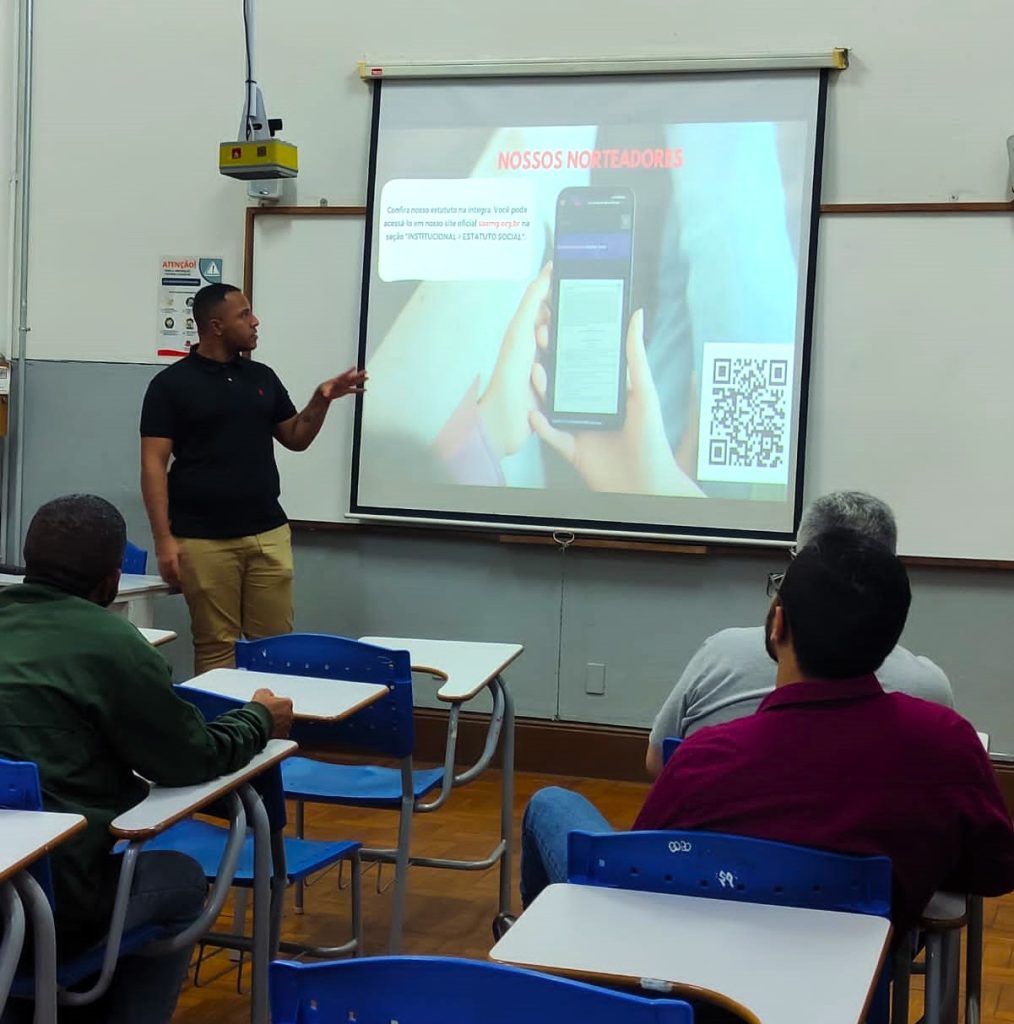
(508,401)
(637,458)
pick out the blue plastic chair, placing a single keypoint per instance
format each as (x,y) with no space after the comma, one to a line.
(439,990)
(20,789)
(385,728)
(135,560)
(294,859)
(752,870)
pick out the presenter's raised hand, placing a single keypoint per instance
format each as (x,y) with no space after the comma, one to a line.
(635,459)
(508,401)
(351,382)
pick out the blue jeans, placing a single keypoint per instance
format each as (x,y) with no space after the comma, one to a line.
(551,815)
(168,889)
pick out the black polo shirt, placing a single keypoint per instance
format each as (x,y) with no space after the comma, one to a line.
(221,417)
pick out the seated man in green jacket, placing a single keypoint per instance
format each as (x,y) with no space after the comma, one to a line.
(86,698)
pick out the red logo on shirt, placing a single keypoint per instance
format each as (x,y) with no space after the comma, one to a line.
(260,391)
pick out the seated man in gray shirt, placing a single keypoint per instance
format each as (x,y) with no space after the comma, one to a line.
(731,672)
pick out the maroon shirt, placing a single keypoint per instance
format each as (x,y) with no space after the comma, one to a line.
(843,766)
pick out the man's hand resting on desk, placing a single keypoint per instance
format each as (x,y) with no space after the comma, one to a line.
(281,711)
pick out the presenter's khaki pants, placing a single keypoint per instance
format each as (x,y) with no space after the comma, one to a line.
(241,587)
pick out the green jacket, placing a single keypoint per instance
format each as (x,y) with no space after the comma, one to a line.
(85,697)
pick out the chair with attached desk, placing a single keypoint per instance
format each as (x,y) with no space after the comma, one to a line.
(385,728)
(737,868)
(20,789)
(441,990)
(292,859)
(940,926)
(25,837)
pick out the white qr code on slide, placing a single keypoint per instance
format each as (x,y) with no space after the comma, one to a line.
(746,413)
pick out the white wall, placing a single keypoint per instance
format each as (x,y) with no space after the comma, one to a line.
(131,101)
(133,98)
(8,89)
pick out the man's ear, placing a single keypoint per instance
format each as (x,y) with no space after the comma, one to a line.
(778,631)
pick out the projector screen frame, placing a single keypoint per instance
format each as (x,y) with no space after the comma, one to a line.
(836,59)
(382,516)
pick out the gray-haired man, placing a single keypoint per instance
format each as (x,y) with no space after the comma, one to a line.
(731,672)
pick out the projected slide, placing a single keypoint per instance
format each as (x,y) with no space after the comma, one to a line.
(586,302)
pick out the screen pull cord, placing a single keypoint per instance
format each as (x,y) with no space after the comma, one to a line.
(564,538)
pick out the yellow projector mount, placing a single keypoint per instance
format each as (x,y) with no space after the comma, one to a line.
(249,161)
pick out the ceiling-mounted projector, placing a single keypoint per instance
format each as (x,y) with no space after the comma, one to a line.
(256,153)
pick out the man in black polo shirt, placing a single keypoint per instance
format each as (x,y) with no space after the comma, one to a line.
(220,533)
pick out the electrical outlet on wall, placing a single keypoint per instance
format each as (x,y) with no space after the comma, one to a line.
(595,678)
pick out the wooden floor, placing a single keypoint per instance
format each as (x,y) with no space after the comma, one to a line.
(449,912)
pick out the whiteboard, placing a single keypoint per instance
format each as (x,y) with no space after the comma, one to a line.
(910,384)
(910,389)
(307,273)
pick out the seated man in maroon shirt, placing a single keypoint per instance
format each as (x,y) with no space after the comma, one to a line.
(829,759)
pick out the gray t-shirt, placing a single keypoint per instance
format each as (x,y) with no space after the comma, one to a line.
(731,674)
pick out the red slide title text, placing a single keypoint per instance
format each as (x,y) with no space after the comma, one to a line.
(589,159)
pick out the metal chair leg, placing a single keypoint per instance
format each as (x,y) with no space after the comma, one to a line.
(13,938)
(506,797)
(402,858)
(951,977)
(300,834)
(935,967)
(973,960)
(279,883)
(257,816)
(901,979)
(43,931)
(357,903)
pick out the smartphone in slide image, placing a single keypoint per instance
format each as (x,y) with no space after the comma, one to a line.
(587,363)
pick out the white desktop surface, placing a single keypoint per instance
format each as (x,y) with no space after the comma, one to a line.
(466,666)
(165,805)
(784,965)
(131,584)
(157,637)
(328,700)
(27,835)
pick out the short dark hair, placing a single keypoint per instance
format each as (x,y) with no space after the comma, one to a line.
(74,543)
(207,302)
(845,599)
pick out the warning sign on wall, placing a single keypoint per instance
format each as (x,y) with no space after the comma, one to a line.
(180,278)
